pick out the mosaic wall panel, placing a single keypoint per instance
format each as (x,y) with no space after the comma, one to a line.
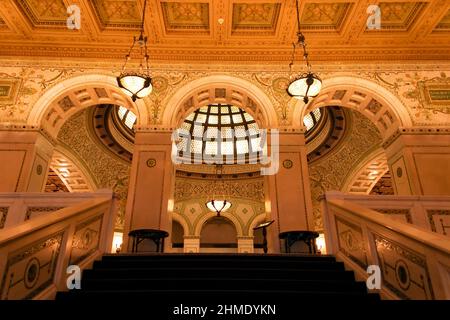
(403,215)
(33,212)
(351,242)
(86,239)
(31,269)
(3,215)
(404,271)
(439,221)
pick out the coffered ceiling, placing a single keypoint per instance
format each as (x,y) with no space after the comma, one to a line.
(228,30)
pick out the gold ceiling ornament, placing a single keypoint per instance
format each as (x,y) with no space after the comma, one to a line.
(307,85)
(218,204)
(137,84)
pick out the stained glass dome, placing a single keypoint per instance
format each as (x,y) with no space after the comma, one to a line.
(224,133)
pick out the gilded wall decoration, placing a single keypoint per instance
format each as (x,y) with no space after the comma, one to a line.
(106,170)
(31,269)
(21,87)
(426,94)
(404,271)
(401,80)
(330,172)
(252,189)
(243,211)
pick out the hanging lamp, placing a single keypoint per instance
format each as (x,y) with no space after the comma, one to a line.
(137,84)
(308,84)
(216,205)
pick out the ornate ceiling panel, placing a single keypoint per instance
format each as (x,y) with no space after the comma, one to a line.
(182,17)
(325,16)
(3,24)
(255,17)
(118,14)
(259,31)
(444,24)
(400,15)
(44,13)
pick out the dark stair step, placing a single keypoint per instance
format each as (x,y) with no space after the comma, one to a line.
(191,264)
(222,257)
(216,296)
(268,285)
(225,273)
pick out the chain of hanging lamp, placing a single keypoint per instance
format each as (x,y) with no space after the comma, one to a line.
(300,41)
(215,205)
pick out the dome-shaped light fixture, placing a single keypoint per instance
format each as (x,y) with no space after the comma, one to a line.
(218,206)
(308,84)
(137,84)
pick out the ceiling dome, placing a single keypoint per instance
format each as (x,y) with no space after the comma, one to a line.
(220,133)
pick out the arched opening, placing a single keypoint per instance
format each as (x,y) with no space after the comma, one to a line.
(220,89)
(218,234)
(70,96)
(177,236)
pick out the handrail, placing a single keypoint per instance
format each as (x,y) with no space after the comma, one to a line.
(35,254)
(432,240)
(41,222)
(412,260)
(17,208)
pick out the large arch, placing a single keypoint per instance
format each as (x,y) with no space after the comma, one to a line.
(220,89)
(377,103)
(66,98)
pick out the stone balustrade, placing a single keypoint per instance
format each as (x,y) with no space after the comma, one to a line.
(35,254)
(16,208)
(413,258)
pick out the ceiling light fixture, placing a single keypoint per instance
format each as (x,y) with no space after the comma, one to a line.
(308,84)
(215,205)
(137,84)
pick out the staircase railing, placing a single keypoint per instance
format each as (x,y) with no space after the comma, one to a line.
(35,255)
(16,208)
(413,262)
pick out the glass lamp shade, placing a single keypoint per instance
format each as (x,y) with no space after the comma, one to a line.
(218,206)
(304,87)
(134,85)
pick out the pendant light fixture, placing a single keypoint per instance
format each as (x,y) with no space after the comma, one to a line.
(308,84)
(137,84)
(218,205)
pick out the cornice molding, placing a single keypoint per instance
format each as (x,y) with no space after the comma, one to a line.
(354,54)
(415,131)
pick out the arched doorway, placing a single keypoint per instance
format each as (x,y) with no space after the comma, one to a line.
(218,235)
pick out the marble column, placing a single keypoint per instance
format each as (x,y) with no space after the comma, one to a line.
(289,190)
(152,177)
